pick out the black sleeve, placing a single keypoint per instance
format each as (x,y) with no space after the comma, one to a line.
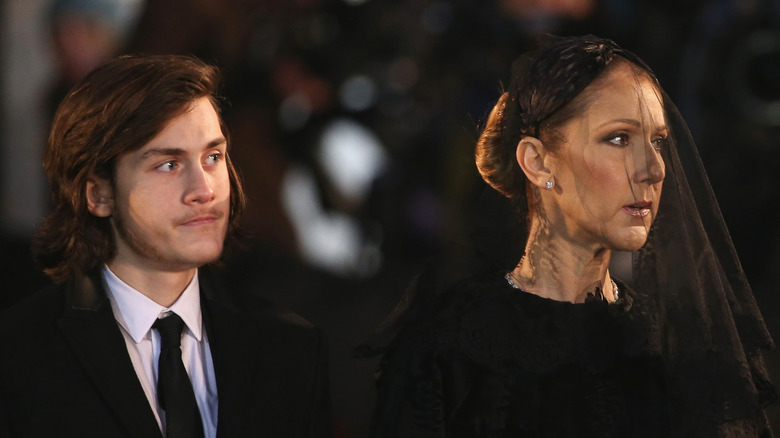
(409,400)
(321,425)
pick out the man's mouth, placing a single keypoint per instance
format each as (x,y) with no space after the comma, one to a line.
(203,218)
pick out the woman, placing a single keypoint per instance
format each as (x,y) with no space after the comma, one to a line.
(584,143)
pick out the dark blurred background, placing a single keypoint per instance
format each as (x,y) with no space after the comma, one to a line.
(353,123)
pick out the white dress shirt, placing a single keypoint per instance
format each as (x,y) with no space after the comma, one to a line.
(135,313)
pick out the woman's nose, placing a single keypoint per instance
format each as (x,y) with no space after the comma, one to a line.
(649,165)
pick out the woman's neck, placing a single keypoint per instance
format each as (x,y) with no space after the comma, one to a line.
(560,269)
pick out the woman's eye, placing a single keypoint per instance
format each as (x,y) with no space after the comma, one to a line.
(168,166)
(618,139)
(659,143)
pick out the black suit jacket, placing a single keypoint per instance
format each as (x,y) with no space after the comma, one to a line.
(65,370)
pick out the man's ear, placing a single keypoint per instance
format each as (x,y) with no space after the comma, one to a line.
(530,156)
(100,196)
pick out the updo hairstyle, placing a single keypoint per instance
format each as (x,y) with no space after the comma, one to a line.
(546,90)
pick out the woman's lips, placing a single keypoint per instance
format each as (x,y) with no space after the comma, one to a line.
(638,209)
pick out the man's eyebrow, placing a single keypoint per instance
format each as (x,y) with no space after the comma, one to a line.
(216,142)
(163,152)
(177,152)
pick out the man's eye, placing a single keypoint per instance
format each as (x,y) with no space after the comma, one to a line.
(214,158)
(168,166)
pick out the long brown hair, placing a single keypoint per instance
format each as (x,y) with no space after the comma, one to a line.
(116,109)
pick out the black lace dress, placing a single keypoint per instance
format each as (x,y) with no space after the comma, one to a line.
(489,360)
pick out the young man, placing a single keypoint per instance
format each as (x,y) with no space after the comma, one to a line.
(137,339)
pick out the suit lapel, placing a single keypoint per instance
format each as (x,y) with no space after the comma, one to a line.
(89,326)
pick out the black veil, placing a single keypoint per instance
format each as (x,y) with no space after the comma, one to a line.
(710,329)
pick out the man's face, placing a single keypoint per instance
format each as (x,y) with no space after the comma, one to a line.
(171,198)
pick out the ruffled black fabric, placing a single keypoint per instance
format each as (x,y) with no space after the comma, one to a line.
(493,361)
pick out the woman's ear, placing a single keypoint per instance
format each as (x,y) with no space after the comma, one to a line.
(530,156)
(100,197)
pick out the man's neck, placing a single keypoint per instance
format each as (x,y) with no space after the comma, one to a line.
(162,287)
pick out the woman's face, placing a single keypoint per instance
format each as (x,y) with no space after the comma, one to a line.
(608,172)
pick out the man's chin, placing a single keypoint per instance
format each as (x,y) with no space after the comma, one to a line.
(200,256)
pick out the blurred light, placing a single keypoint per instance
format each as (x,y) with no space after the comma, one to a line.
(355,2)
(120,15)
(326,241)
(402,73)
(358,93)
(332,241)
(352,157)
(294,111)
(437,17)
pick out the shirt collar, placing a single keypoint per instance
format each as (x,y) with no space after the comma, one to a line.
(136,312)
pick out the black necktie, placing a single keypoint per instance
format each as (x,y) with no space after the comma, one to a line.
(174,389)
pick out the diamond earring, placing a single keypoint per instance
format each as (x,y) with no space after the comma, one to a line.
(549,184)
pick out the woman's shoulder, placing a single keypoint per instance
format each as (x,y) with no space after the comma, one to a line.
(484,320)
(480,299)
(480,319)
(447,327)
